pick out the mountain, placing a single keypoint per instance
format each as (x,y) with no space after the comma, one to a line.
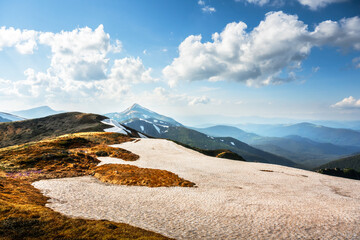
(162,129)
(7,117)
(352,162)
(37,112)
(303,150)
(318,133)
(12,133)
(299,149)
(203,141)
(138,112)
(230,131)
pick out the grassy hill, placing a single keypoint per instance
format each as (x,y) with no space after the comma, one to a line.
(299,149)
(199,140)
(352,162)
(12,133)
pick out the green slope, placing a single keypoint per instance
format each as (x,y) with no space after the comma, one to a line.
(203,141)
(352,162)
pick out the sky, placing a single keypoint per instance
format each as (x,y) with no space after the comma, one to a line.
(193,60)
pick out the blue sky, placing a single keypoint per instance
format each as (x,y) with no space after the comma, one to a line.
(271,58)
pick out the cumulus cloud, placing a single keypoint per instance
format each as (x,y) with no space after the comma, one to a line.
(23,40)
(257,2)
(269,54)
(79,54)
(348,103)
(131,70)
(79,67)
(312,4)
(206,8)
(316,4)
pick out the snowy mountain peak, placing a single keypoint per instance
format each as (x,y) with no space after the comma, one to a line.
(137,108)
(136,111)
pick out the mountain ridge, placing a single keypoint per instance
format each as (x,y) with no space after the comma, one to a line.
(37,112)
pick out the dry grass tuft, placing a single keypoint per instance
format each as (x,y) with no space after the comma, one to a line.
(134,176)
(66,156)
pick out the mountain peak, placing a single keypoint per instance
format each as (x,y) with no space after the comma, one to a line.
(136,106)
(136,111)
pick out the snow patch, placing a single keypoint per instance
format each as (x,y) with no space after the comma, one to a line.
(142,135)
(142,128)
(232,143)
(157,128)
(118,128)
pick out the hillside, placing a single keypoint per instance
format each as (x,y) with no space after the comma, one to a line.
(12,133)
(299,149)
(352,162)
(200,140)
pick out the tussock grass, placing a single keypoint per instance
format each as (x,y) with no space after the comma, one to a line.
(65,156)
(124,174)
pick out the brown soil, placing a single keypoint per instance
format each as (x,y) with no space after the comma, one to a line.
(131,175)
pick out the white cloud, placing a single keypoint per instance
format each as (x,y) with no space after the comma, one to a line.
(347,103)
(316,4)
(206,8)
(269,54)
(257,2)
(23,40)
(79,69)
(344,34)
(312,4)
(130,70)
(201,2)
(79,54)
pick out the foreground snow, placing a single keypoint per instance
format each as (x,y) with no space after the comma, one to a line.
(234,200)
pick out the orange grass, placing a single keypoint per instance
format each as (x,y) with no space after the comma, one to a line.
(124,174)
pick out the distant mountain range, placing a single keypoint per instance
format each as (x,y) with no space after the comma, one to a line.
(299,149)
(7,117)
(159,126)
(37,112)
(318,133)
